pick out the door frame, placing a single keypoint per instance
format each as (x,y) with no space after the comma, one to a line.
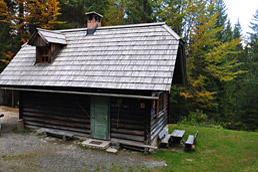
(92,98)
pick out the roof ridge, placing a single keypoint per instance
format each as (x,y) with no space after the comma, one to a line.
(46,30)
(131,25)
(172,32)
(115,27)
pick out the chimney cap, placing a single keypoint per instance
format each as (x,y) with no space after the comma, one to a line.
(93,12)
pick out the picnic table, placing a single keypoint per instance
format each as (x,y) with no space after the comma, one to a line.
(177,136)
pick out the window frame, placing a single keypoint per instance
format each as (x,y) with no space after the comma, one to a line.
(43,55)
(161,104)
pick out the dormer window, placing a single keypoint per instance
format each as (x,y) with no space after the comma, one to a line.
(43,54)
(48,44)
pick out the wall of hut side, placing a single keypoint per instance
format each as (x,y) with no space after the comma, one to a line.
(129,119)
(56,111)
(159,119)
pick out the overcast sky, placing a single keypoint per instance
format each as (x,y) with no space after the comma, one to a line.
(242,9)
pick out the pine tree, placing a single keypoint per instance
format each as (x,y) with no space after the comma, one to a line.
(220,9)
(173,13)
(73,11)
(227,34)
(139,11)
(254,26)
(247,95)
(29,14)
(115,13)
(9,44)
(210,62)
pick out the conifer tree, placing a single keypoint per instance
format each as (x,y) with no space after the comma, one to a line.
(173,13)
(220,9)
(19,19)
(226,35)
(114,15)
(9,43)
(139,11)
(247,99)
(210,62)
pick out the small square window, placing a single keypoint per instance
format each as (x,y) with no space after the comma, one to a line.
(43,54)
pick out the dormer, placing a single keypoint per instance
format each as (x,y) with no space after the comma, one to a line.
(48,44)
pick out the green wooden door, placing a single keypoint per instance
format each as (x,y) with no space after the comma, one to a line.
(100,117)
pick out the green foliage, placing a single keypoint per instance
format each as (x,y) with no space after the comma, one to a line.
(247,97)
(226,33)
(9,43)
(195,118)
(209,63)
(23,131)
(115,14)
(254,27)
(172,12)
(139,11)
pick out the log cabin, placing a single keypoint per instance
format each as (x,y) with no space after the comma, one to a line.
(108,83)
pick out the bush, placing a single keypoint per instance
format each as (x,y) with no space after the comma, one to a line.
(195,118)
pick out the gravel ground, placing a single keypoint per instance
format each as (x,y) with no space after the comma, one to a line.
(31,152)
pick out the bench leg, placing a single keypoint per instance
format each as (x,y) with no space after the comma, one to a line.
(64,138)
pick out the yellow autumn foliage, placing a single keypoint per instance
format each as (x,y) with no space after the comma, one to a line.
(209,60)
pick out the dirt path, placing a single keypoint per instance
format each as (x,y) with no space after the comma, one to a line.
(30,152)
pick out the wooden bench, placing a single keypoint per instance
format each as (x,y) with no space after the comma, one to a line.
(191,141)
(64,135)
(166,141)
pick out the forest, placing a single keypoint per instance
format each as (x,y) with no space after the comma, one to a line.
(221,63)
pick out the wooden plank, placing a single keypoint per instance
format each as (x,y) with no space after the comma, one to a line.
(58,113)
(195,137)
(64,134)
(133,143)
(178,133)
(20,105)
(75,133)
(162,133)
(40,125)
(166,139)
(125,131)
(161,123)
(127,126)
(190,140)
(52,117)
(81,93)
(158,122)
(157,131)
(128,137)
(57,122)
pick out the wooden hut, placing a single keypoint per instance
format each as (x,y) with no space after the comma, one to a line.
(110,83)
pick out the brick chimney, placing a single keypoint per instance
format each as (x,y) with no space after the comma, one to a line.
(93,18)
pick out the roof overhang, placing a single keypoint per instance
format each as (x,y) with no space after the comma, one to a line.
(46,36)
(82,93)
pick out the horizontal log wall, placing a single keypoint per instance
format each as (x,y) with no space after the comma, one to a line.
(129,119)
(158,120)
(56,111)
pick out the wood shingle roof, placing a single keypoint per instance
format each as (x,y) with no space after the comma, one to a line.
(137,57)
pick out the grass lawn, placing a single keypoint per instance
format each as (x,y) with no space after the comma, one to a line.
(216,150)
